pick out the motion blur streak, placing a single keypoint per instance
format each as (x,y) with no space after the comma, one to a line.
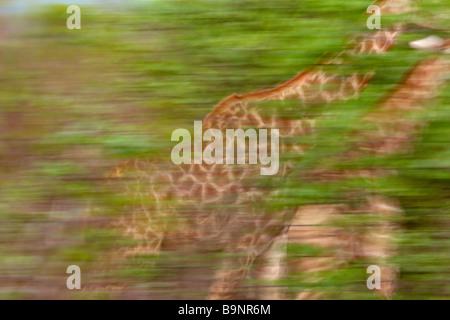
(86,177)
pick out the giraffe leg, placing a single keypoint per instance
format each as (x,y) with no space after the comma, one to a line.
(241,255)
(313,226)
(229,278)
(269,267)
(378,243)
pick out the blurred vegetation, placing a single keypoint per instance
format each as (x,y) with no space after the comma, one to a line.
(73,103)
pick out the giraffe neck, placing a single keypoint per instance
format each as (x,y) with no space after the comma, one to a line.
(313,85)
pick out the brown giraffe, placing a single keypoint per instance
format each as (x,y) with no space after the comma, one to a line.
(214,207)
(394,133)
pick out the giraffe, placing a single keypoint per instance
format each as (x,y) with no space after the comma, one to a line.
(393,132)
(154,187)
(300,86)
(215,207)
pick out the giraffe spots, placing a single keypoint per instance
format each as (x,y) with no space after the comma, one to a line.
(211,193)
(255,119)
(196,191)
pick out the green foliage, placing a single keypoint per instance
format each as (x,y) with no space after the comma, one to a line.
(76,102)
